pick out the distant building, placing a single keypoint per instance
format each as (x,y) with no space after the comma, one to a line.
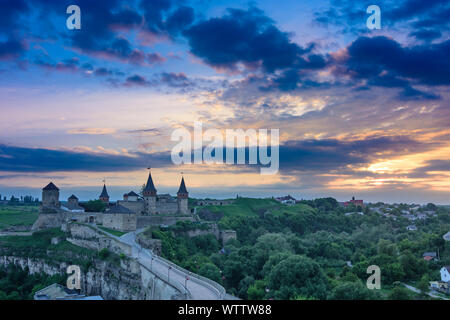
(210,202)
(50,197)
(125,215)
(445,274)
(446,236)
(430,256)
(357,203)
(286,200)
(59,292)
(351,213)
(72,205)
(411,228)
(131,196)
(104,196)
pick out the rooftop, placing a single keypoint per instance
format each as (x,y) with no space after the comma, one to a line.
(50,187)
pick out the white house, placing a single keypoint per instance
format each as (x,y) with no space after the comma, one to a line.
(286,200)
(447,236)
(445,274)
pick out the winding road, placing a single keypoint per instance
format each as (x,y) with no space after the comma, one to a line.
(197,288)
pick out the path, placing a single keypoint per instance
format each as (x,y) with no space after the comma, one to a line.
(431,294)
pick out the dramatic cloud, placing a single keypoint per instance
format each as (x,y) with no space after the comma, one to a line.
(350,15)
(332,154)
(11,49)
(384,62)
(17,159)
(250,38)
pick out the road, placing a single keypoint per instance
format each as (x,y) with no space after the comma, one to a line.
(431,294)
(198,289)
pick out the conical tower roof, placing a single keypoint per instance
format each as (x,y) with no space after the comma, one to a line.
(150,187)
(50,186)
(182,188)
(104,192)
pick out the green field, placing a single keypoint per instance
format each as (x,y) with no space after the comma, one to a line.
(243,207)
(17,216)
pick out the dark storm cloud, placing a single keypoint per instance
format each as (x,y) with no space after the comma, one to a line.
(175,79)
(350,15)
(11,44)
(166,16)
(169,79)
(103,72)
(250,38)
(413,8)
(18,159)
(9,14)
(386,63)
(242,36)
(306,155)
(180,20)
(11,49)
(100,21)
(136,80)
(65,65)
(426,34)
(333,154)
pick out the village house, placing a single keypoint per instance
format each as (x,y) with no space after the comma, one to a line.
(445,274)
(428,256)
(357,203)
(446,236)
(286,200)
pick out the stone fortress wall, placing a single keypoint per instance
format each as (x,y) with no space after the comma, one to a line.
(120,221)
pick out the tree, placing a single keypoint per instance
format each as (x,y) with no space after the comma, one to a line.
(94,206)
(210,271)
(257,291)
(399,293)
(423,284)
(352,291)
(412,266)
(298,275)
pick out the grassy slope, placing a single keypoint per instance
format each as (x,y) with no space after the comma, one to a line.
(245,207)
(112,231)
(17,215)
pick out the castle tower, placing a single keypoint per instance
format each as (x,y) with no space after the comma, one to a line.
(104,196)
(149,194)
(73,200)
(182,198)
(50,196)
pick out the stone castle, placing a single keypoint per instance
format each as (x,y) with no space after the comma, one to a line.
(129,214)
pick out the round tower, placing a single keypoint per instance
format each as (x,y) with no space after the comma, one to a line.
(50,196)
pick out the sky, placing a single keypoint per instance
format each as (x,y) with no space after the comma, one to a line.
(361,112)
